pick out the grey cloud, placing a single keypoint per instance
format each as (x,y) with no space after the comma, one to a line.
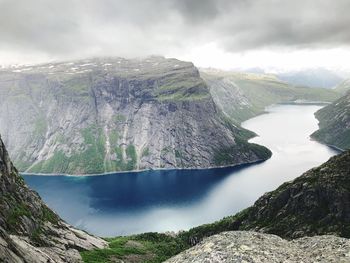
(114,27)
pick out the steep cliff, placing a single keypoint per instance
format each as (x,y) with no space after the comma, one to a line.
(334,123)
(29,230)
(113,114)
(244,95)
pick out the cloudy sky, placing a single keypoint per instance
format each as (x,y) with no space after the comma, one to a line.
(223,33)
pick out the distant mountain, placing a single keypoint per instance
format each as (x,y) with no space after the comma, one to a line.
(29,230)
(244,95)
(334,123)
(113,114)
(315,78)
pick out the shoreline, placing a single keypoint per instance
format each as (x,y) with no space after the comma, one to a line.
(148,170)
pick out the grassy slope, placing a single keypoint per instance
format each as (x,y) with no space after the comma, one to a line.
(334,123)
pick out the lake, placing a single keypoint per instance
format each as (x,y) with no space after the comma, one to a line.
(172,200)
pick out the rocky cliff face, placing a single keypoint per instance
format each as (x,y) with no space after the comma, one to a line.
(245,246)
(316,203)
(334,123)
(244,95)
(103,115)
(29,230)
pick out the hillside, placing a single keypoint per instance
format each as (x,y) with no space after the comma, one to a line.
(112,114)
(29,230)
(244,95)
(334,123)
(316,203)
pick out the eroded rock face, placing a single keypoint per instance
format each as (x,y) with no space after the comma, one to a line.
(245,246)
(29,230)
(105,115)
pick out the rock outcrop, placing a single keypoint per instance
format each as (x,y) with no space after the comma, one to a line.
(112,114)
(245,246)
(29,230)
(334,123)
(316,203)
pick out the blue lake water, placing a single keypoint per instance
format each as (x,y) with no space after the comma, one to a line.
(172,200)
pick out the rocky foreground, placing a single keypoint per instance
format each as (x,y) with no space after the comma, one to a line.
(29,230)
(246,246)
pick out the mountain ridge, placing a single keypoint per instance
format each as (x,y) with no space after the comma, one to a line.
(106,115)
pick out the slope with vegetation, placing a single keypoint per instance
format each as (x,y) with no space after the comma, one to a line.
(244,95)
(334,123)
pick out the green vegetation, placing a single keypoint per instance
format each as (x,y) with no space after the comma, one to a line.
(148,248)
(88,161)
(145,152)
(334,123)
(16,213)
(181,87)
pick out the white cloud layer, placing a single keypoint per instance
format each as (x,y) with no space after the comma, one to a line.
(220,33)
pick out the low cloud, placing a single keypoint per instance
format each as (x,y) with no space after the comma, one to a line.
(68,29)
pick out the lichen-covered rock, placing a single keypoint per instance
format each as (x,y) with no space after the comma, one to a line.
(246,246)
(112,114)
(29,230)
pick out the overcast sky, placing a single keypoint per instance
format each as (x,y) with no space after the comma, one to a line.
(285,34)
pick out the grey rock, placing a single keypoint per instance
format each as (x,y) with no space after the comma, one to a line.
(29,230)
(246,246)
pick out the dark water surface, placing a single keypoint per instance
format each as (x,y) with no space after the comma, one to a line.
(128,203)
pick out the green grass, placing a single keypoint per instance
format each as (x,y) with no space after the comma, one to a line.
(148,248)
(16,213)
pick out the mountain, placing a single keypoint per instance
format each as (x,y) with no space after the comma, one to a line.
(343,87)
(334,123)
(244,95)
(29,230)
(112,114)
(311,211)
(315,78)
